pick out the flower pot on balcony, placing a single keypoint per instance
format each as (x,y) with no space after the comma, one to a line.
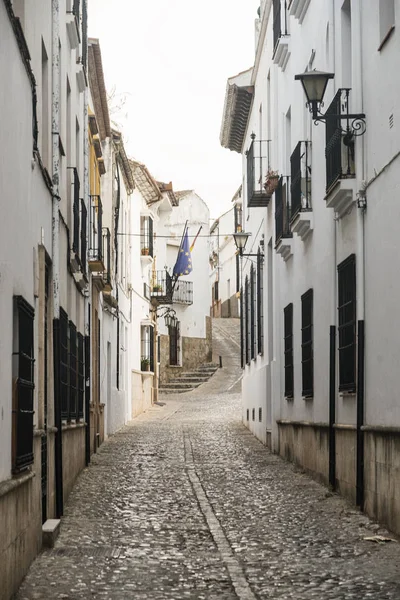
(145,364)
(271,182)
(145,251)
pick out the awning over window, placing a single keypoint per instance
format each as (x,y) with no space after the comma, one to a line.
(238,99)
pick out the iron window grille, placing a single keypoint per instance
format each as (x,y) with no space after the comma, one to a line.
(257,167)
(81,375)
(96,231)
(147,345)
(146,236)
(347,324)
(282,210)
(83,235)
(288,349)
(252,312)
(76,207)
(253,414)
(73,373)
(64,365)
(260,303)
(300,188)
(23,385)
(260,415)
(107,256)
(247,324)
(307,350)
(339,150)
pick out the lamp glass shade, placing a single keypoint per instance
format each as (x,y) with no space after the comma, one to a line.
(314,84)
(241,238)
(167,320)
(174,321)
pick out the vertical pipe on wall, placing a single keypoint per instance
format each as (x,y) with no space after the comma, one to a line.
(332,406)
(360,417)
(55,130)
(86,301)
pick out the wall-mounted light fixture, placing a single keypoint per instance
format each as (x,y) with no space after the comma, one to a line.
(314,84)
(168,313)
(240,238)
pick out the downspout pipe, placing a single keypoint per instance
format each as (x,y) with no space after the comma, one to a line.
(88,386)
(55,132)
(360,281)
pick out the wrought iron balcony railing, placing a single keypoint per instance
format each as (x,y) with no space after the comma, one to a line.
(257,168)
(106,239)
(300,188)
(162,289)
(75,238)
(96,256)
(339,150)
(282,210)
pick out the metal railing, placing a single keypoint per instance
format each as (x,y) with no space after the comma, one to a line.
(163,288)
(339,150)
(96,229)
(83,235)
(300,188)
(75,229)
(258,162)
(106,235)
(282,210)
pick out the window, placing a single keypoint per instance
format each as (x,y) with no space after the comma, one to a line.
(247,324)
(307,351)
(288,339)
(174,344)
(347,324)
(73,372)
(260,414)
(64,368)
(146,236)
(252,312)
(23,385)
(386,20)
(260,303)
(45,143)
(242,330)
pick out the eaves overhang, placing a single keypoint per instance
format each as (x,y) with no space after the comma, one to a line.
(238,101)
(145,182)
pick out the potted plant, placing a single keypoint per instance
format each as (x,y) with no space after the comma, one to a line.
(157,288)
(145,251)
(145,364)
(271,181)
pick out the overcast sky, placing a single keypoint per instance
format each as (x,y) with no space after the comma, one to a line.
(169,61)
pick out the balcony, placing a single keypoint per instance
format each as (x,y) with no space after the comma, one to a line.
(106,235)
(257,167)
(75,260)
(283,234)
(301,219)
(281,52)
(163,290)
(96,263)
(340,155)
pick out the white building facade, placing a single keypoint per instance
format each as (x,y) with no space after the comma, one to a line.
(319,335)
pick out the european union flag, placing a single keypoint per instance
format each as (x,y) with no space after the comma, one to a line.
(183,265)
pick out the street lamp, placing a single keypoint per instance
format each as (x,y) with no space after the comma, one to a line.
(240,239)
(168,313)
(314,85)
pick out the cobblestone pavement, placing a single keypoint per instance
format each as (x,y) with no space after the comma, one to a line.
(186,503)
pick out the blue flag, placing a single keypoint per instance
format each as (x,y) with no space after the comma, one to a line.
(183,265)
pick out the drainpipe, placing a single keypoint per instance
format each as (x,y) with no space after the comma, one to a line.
(55,129)
(88,295)
(360,281)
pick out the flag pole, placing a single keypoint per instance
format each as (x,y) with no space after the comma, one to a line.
(180,246)
(194,241)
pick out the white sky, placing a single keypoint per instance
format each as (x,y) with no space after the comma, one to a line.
(170,60)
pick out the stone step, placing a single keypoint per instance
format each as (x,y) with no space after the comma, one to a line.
(174,390)
(177,385)
(190,377)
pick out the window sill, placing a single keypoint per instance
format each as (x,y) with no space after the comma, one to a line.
(386,38)
(11,484)
(345,394)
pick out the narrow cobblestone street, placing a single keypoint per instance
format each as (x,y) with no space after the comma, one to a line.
(186,503)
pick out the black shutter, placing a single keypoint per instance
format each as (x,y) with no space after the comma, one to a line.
(150,241)
(83,235)
(247,324)
(347,324)
(260,304)
(64,369)
(307,352)
(73,373)
(23,375)
(252,313)
(242,344)
(288,338)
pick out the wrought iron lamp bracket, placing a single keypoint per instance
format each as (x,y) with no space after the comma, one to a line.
(356,125)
